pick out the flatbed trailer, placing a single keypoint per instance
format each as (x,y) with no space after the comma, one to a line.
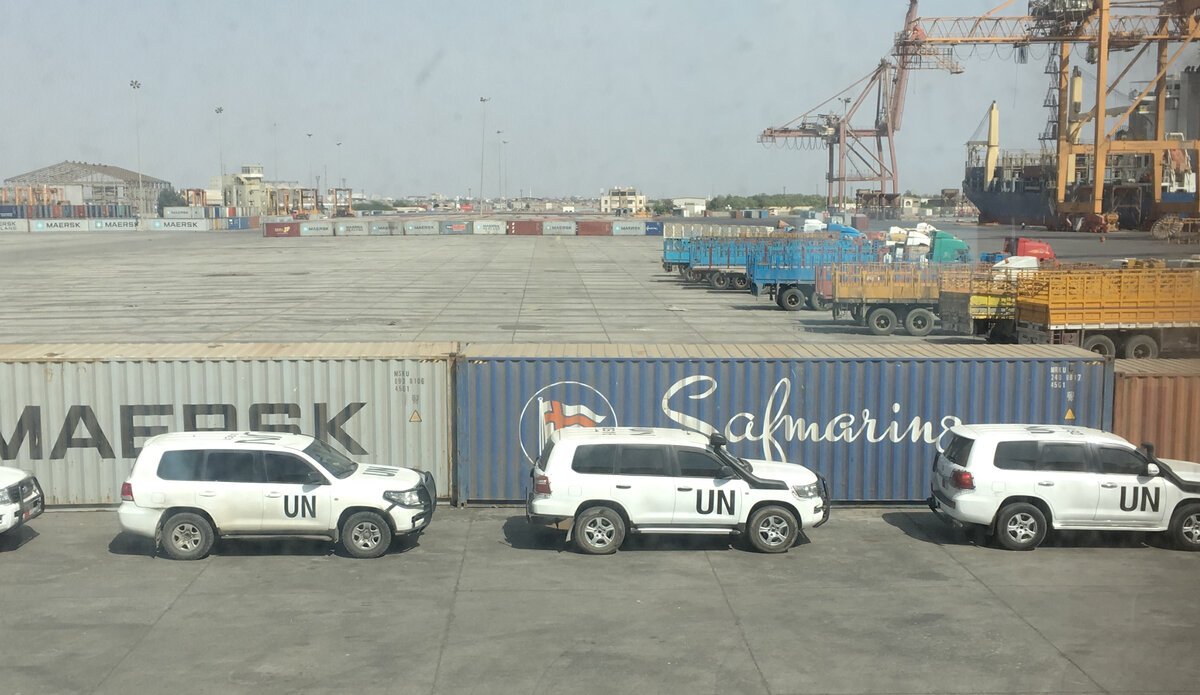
(884,296)
(788,272)
(981,302)
(1129,312)
(721,262)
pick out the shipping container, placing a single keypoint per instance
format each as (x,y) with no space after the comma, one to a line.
(316,228)
(594,228)
(654,229)
(859,222)
(1158,401)
(12,212)
(219,225)
(455,227)
(112,225)
(183,213)
(284,229)
(420,227)
(10,225)
(351,228)
(623,228)
(559,228)
(253,222)
(179,225)
(487,227)
(381,227)
(867,417)
(525,227)
(77,420)
(52,225)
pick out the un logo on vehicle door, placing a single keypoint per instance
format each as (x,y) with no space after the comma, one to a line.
(558,406)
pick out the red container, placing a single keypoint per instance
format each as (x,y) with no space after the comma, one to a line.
(859,222)
(594,228)
(282,229)
(81,211)
(737,214)
(253,223)
(525,227)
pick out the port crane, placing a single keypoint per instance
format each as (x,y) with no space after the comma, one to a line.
(864,154)
(1101,27)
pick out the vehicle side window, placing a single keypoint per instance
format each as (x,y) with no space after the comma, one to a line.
(1016,456)
(1071,458)
(697,464)
(958,451)
(594,458)
(180,465)
(286,469)
(545,457)
(1121,461)
(232,467)
(643,460)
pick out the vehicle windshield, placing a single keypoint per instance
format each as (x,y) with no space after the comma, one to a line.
(331,459)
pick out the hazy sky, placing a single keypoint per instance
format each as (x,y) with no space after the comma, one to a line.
(668,95)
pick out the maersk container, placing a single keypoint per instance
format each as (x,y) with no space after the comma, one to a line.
(654,229)
(1158,401)
(113,225)
(455,227)
(59,225)
(350,228)
(559,228)
(623,228)
(867,417)
(420,227)
(315,228)
(380,228)
(487,227)
(78,419)
(10,225)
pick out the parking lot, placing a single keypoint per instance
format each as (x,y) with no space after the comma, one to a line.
(879,600)
(240,287)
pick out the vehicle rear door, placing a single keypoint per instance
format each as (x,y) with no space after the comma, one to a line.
(296,497)
(1067,481)
(644,483)
(230,489)
(702,496)
(1128,497)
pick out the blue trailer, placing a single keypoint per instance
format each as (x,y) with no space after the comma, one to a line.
(788,272)
(677,253)
(721,262)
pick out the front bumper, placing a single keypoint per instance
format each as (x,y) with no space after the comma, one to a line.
(30,505)
(824,500)
(405,520)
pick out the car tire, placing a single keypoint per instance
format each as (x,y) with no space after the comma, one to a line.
(1185,527)
(366,535)
(598,531)
(1100,344)
(187,536)
(881,321)
(791,299)
(1020,526)
(819,302)
(919,322)
(1140,347)
(739,281)
(772,529)
(718,281)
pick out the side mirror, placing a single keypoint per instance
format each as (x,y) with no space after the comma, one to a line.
(727,473)
(1152,469)
(1149,450)
(717,439)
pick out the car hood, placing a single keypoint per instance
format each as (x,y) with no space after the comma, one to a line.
(1184,469)
(11,476)
(790,473)
(384,477)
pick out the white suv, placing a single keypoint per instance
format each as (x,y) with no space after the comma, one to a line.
(1017,481)
(188,487)
(601,483)
(21,498)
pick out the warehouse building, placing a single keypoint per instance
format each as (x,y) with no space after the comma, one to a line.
(80,183)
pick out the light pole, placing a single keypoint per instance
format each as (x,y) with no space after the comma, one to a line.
(339,165)
(499,174)
(482,144)
(137,136)
(310,178)
(221,152)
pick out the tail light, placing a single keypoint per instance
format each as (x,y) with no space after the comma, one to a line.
(127,492)
(541,485)
(963,480)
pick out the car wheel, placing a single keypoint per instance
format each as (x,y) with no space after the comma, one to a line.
(919,322)
(791,299)
(366,534)
(772,529)
(819,302)
(1185,527)
(1020,526)
(1100,344)
(739,281)
(187,536)
(1141,347)
(881,321)
(598,531)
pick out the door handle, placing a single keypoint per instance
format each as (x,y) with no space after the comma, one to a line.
(207,493)
(684,489)
(1046,483)
(274,493)
(623,487)
(1108,485)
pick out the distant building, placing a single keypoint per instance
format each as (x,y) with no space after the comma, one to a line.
(244,189)
(622,201)
(689,207)
(80,183)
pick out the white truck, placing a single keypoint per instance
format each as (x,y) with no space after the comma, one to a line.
(21,498)
(602,483)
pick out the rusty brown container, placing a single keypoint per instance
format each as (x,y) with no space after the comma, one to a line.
(594,228)
(1158,401)
(525,227)
(281,229)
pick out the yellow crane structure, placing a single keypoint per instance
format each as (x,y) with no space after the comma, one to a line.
(1164,28)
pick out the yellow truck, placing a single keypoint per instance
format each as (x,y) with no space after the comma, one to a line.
(1130,312)
(883,296)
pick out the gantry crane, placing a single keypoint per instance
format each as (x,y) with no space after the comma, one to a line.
(868,153)
(1102,26)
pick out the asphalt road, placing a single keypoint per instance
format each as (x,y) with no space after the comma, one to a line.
(879,600)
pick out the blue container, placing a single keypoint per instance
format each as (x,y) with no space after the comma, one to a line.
(11,212)
(867,417)
(239,223)
(654,229)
